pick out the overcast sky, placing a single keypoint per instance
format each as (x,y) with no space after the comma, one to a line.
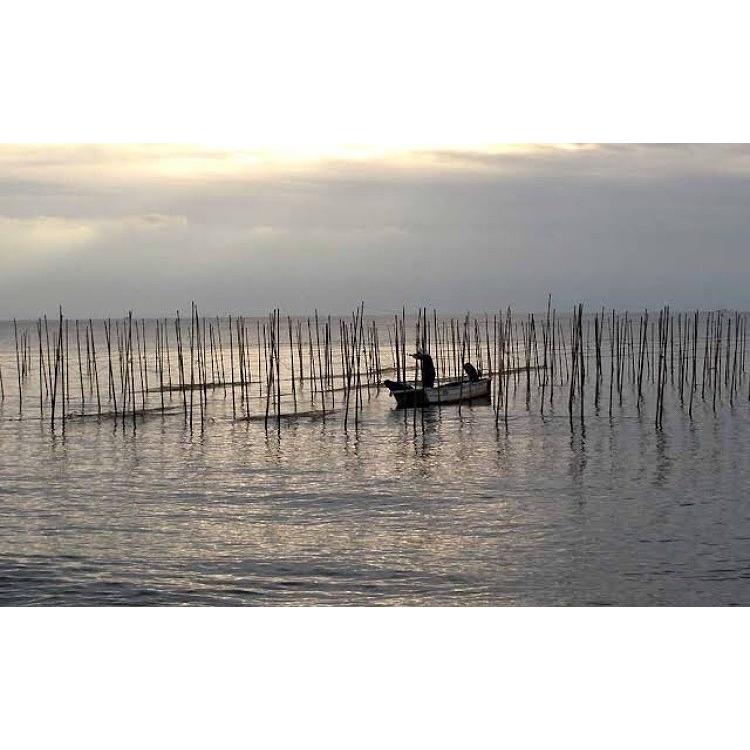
(100,229)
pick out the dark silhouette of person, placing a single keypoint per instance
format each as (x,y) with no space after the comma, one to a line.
(428,369)
(471,371)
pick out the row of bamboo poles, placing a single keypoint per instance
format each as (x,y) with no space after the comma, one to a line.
(316,366)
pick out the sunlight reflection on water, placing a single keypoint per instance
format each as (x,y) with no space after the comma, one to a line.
(440,510)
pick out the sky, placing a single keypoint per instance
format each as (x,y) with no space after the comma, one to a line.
(102,229)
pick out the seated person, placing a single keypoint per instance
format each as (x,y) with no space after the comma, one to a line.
(471,372)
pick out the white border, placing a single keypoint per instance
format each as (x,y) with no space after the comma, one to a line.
(373,678)
(299,75)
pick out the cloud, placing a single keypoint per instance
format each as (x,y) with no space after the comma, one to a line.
(101,229)
(18,237)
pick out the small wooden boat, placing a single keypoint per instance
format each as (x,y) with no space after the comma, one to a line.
(409,396)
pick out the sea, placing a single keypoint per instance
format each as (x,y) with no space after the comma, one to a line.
(472,506)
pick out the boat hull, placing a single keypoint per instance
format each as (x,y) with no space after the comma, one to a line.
(448,393)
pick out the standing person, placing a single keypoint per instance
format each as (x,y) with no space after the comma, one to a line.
(428,369)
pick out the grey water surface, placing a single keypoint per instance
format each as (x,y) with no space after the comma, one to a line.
(433,508)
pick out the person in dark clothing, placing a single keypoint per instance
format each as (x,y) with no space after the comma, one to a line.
(471,371)
(428,369)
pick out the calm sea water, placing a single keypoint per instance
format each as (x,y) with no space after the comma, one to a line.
(441,509)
